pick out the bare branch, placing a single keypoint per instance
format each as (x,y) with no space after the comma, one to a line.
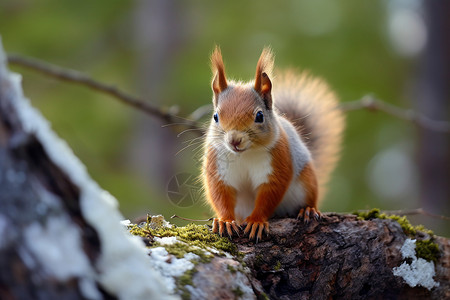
(373,104)
(192,220)
(416,211)
(82,79)
(367,102)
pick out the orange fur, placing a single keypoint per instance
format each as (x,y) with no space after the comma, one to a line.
(308,180)
(263,85)
(264,65)
(237,112)
(220,196)
(271,193)
(219,83)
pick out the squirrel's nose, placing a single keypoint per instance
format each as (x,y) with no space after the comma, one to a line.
(235,142)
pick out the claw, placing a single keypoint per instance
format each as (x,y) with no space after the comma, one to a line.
(306,212)
(236,227)
(256,229)
(317,215)
(266,227)
(219,226)
(260,231)
(215,225)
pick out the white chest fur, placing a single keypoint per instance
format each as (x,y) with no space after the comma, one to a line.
(245,172)
(249,169)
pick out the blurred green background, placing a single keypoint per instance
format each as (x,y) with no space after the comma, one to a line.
(159,51)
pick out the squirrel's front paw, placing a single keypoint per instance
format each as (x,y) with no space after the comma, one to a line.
(219,226)
(306,212)
(256,225)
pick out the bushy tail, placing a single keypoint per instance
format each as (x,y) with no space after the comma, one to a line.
(312,107)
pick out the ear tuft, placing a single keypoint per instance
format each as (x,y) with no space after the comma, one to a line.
(219,82)
(263,85)
(265,65)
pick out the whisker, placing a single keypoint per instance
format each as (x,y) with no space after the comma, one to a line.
(174,124)
(188,130)
(186,147)
(193,139)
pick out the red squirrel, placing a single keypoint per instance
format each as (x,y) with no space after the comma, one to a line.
(269,150)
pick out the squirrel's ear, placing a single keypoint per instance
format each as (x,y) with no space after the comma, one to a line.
(219,82)
(263,85)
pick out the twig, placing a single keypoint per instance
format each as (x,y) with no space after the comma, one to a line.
(416,211)
(192,220)
(82,79)
(405,212)
(373,104)
(367,102)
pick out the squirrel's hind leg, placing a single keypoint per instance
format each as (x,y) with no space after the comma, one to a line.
(308,180)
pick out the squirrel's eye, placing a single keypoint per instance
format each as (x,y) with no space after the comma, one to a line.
(259,117)
(216,117)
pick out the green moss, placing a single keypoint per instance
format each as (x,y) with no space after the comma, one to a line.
(428,250)
(180,249)
(425,230)
(238,292)
(259,260)
(277,266)
(183,281)
(367,215)
(138,231)
(194,235)
(231,269)
(406,226)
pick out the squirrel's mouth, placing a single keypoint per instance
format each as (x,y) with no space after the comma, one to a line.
(236,142)
(236,148)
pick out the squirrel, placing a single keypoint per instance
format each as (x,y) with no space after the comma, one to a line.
(269,150)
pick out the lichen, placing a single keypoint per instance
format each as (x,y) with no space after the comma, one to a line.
(426,249)
(417,272)
(194,235)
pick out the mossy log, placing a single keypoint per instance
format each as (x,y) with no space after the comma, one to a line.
(339,257)
(57,242)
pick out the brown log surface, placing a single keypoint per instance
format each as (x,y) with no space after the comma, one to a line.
(338,257)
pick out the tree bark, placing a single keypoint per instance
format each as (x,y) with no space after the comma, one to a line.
(54,243)
(338,257)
